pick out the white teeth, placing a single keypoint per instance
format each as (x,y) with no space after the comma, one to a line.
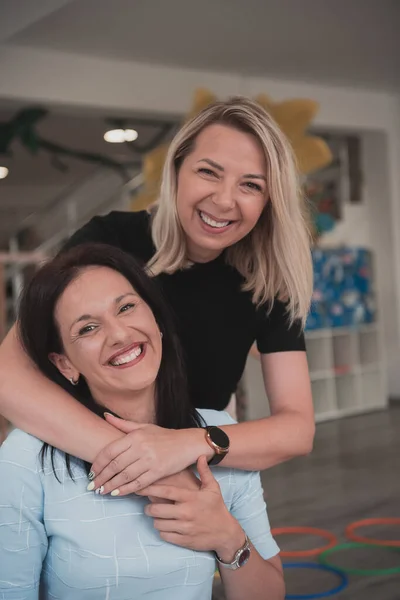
(211,222)
(122,360)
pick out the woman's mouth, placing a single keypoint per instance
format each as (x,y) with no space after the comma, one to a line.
(128,357)
(212,224)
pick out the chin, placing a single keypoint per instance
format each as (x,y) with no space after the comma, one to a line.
(143,382)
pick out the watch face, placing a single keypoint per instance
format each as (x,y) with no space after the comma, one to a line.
(219,437)
(244,557)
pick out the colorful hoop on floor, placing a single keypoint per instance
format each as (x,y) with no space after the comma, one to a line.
(325,561)
(342,576)
(367,540)
(332,540)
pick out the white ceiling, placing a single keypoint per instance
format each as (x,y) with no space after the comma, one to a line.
(342,41)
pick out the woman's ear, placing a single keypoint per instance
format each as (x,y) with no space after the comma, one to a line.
(64,366)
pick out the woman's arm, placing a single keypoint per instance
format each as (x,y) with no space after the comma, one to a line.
(259,579)
(43,409)
(262,576)
(289,431)
(254,445)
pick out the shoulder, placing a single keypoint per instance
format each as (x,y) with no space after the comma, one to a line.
(216,417)
(128,219)
(123,220)
(130,231)
(21,450)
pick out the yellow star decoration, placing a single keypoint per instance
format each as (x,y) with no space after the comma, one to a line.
(292,116)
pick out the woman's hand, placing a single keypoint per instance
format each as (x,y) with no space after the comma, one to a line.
(185,479)
(196,519)
(146,454)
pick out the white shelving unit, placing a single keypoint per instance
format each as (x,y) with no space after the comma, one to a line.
(347,370)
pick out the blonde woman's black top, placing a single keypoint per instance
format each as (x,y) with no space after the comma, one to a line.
(217,321)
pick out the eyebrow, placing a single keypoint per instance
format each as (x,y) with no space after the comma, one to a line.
(220,168)
(87,317)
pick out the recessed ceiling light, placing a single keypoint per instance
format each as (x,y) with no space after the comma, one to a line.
(118,136)
(3,172)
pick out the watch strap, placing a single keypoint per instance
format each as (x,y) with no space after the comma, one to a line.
(216,459)
(240,559)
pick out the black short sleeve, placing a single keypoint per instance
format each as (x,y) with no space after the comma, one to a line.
(274,333)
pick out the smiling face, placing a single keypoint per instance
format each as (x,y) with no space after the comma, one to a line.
(109,336)
(222,190)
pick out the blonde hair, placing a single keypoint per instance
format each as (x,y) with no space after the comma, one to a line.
(274,258)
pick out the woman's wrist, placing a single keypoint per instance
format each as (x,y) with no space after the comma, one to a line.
(229,541)
(195,445)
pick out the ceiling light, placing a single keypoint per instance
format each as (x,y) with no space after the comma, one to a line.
(118,136)
(130,135)
(3,172)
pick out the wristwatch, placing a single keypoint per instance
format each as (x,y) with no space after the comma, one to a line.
(219,442)
(241,557)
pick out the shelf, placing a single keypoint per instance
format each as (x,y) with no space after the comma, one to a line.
(346,392)
(319,354)
(323,374)
(346,371)
(345,355)
(323,393)
(368,347)
(371,388)
(318,334)
(329,333)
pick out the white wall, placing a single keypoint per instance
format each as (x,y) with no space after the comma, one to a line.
(58,78)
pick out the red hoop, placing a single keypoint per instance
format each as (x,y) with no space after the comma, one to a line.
(332,540)
(368,540)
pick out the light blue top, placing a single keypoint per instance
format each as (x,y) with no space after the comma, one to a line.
(74,544)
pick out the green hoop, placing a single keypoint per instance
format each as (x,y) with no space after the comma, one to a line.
(323,559)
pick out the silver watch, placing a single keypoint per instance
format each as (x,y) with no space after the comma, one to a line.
(241,557)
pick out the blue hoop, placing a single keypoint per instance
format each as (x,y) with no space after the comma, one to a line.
(300,565)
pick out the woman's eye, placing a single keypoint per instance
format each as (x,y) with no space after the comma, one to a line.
(206,171)
(126,307)
(87,329)
(253,186)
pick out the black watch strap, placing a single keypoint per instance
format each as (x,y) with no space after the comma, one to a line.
(216,459)
(219,442)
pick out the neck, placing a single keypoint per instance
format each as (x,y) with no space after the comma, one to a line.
(201,255)
(138,406)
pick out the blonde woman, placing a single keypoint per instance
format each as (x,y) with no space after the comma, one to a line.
(228,245)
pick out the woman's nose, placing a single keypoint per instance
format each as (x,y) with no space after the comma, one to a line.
(118,333)
(224,198)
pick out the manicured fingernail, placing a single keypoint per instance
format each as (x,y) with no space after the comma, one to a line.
(99,490)
(91,475)
(109,415)
(115,493)
(91,486)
